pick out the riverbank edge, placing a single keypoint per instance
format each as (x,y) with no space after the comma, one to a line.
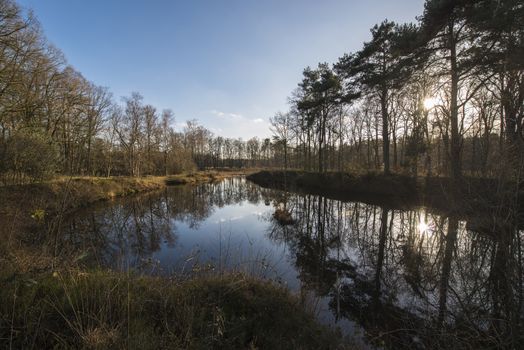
(439,194)
(107,309)
(63,195)
(31,210)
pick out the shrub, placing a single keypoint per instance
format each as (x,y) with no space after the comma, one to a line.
(28,157)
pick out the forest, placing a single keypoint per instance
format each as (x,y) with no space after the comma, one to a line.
(55,121)
(443,96)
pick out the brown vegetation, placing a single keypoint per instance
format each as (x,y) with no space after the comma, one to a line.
(101,310)
(283,216)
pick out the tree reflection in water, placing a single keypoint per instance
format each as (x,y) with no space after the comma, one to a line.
(409,278)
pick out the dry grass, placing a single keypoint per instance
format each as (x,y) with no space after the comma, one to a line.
(65,194)
(101,310)
(30,208)
(68,193)
(23,205)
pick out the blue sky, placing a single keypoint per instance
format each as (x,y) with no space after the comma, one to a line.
(229,64)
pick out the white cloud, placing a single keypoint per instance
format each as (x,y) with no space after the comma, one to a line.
(226,114)
(233,218)
(217,131)
(235,116)
(235,125)
(217,113)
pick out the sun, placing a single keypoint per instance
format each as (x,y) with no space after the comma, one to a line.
(422,226)
(429,102)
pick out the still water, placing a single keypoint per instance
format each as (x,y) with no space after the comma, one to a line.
(386,277)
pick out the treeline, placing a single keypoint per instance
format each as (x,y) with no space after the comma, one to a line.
(442,96)
(54,121)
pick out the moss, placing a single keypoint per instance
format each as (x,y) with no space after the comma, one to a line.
(113,310)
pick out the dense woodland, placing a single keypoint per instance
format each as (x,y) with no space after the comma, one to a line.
(54,121)
(443,96)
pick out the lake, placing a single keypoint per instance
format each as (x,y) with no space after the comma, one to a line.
(387,277)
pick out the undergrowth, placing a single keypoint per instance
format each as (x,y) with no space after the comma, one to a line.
(110,310)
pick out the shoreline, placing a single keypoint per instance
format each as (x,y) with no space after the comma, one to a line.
(63,194)
(480,200)
(30,213)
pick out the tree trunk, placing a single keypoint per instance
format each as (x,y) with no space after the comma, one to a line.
(456,166)
(385,129)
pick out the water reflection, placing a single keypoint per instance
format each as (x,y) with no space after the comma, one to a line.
(409,278)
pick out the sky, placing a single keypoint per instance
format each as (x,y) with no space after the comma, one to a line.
(230,64)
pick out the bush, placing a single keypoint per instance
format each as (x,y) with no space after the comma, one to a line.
(28,158)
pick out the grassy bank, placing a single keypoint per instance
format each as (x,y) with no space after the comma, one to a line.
(31,213)
(399,190)
(65,194)
(108,310)
(473,196)
(62,195)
